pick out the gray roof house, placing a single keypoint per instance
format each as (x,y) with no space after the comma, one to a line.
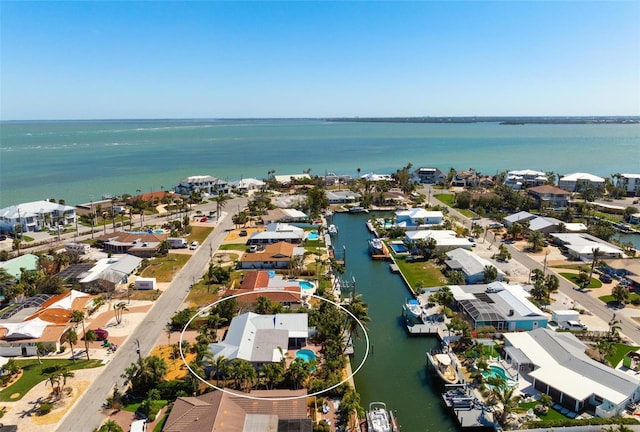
(36,216)
(470,264)
(262,339)
(557,365)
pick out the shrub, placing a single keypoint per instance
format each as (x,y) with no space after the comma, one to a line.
(45,408)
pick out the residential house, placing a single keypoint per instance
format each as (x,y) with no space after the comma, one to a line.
(105,275)
(577,182)
(394,197)
(273,256)
(332,179)
(103,205)
(418,218)
(628,269)
(373,177)
(259,410)
(343,197)
(471,265)
(630,183)
(258,283)
(581,246)
(556,364)
(548,196)
(284,215)
(143,245)
(520,179)
(499,305)
(14,266)
(204,184)
(21,332)
(246,185)
(520,217)
(262,339)
(533,222)
(36,216)
(466,178)
(445,239)
(277,232)
(289,179)
(428,175)
(634,218)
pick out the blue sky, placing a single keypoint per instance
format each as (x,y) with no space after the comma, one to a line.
(210,59)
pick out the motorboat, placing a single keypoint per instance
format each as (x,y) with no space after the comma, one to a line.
(443,366)
(379,419)
(413,308)
(376,246)
(332,230)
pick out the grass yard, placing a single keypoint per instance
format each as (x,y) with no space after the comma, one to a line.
(234,246)
(164,268)
(611,300)
(573,277)
(421,274)
(199,233)
(156,406)
(621,350)
(552,414)
(32,374)
(448,199)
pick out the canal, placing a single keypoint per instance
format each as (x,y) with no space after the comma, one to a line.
(395,370)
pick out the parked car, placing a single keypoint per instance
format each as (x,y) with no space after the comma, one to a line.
(605,278)
(243,233)
(3,237)
(204,219)
(194,245)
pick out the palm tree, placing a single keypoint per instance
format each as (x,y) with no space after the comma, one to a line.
(221,202)
(262,305)
(359,310)
(500,392)
(621,294)
(110,426)
(273,374)
(76,317)
(536,240)
(119,309)
(490,273)
(72,338)
(594,261)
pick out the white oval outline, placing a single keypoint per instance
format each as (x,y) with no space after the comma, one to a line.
(246,396)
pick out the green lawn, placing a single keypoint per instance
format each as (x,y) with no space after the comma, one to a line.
(32,375)
(233,246)
(552,414)
(573,277)
(164,268)
(199,233)
(610,300)
(421,274)
(156,406)
(620,351)
(448,199)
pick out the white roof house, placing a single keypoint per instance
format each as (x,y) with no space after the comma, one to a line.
(470,264)
(581,246)
(288,178)
(262,338)
(115,270)
(26,329)
(630,183)
(418,217)
(518,178)
(277,232)
(376,177)
(36,216)
(204,184)
(577,181)
(247,184)
(560,368)
(445,239)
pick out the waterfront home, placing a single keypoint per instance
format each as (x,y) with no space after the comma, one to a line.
(105,275)
(471,265)
(519,179)
(630,183)
(580,246)
(15,266)
(246,185)
(253,411)
(262,339)
(277,232)
(394,197)
(36,216)
(143,245)
(204,184)
(103,205)
(466,178)
(45,322)
(548,196)
(284,215)
(418,218)
(289,179)
(628,269)
(634,218)
(499,305)
(285,292)
(428,175)
(273,256)
(577,182)
(343,197)
(373,177)
(445,239)
(556,364)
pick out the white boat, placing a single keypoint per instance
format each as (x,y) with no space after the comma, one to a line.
(413,308)
(358,209)
(379,419)
(444,368)
(332,230)
(376,247)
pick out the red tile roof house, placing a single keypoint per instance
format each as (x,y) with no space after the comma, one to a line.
(266,410)
(254,284)
(549,196)
(274,256)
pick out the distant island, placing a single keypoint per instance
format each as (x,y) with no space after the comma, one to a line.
(509,121)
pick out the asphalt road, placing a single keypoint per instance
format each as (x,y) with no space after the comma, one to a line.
(86,415)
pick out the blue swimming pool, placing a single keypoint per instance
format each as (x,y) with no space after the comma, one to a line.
(313,235)
(399,248)
(306,355)
(306,285)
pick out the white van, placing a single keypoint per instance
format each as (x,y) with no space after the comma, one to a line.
(138,426)
(194,245)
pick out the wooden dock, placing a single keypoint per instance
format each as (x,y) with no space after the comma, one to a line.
(394,268)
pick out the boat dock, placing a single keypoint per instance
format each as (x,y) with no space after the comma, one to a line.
(428,328)
(470,411)
(394,268)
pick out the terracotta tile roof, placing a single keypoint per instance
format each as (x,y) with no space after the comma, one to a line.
(281,251)
(287,295)
(548,190)
(255,279)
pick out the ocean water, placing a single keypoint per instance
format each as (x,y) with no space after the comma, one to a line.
(79,161)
